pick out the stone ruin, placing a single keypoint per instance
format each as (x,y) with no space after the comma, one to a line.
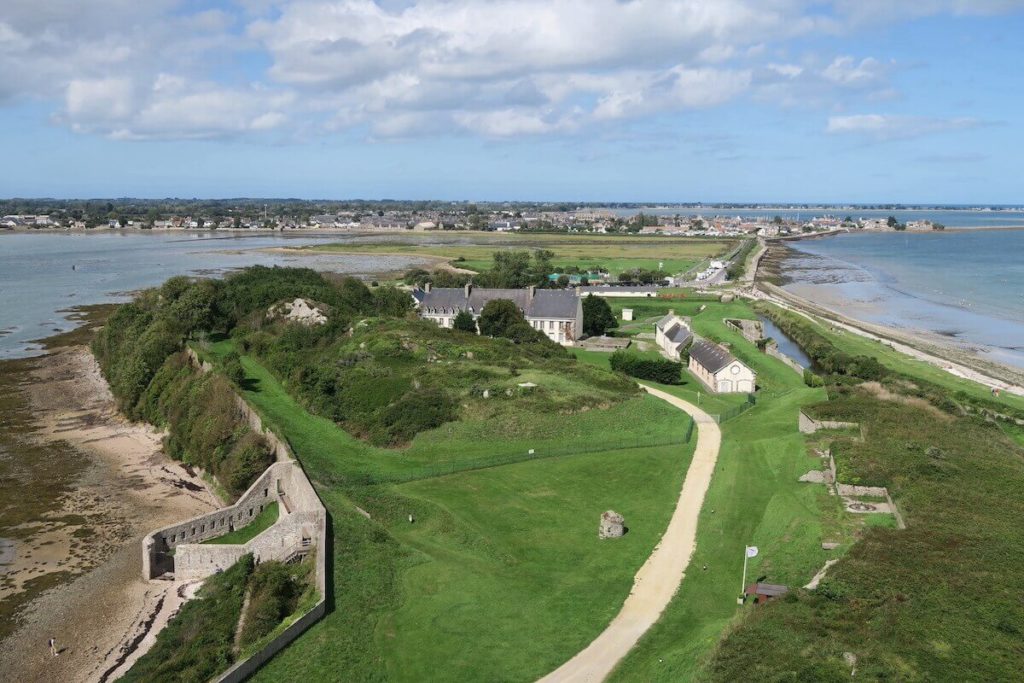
(612,525)
(298,311)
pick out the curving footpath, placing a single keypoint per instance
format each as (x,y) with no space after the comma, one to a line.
(659,578)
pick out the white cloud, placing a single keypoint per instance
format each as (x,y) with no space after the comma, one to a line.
(890,127)
(493,68)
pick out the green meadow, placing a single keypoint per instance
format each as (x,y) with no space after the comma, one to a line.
(614,253)
(501,575)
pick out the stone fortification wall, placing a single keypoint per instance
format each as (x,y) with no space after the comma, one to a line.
(198,529)
(301,527)
(809,425)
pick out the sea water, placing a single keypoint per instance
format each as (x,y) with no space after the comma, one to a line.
(42,275)
(967,286)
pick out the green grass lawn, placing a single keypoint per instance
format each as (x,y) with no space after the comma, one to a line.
(501,577)
(258,525)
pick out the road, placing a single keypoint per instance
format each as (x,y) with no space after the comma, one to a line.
(660,576)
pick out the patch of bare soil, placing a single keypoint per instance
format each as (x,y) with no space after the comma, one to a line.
(882,393)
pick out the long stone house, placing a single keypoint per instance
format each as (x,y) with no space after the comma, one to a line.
(719,370)
(558,313)
(673,335)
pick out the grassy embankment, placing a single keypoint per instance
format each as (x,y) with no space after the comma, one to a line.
(614,253)
(501,575)
(754,498)
(936,601)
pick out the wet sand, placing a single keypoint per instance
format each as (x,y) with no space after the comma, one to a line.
(90,486)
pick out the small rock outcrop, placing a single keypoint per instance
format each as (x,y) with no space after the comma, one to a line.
(612,525)
(298,311)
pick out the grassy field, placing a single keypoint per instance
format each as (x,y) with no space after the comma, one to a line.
(614,253)
(258,525)
(501,577)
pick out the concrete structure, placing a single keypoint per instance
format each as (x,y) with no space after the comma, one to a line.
(300,531)
(809,425)
(636,291)
(763,592)
(605,344)
(627,314)
(719,370)
(301,519)
(673,335)
(558,313)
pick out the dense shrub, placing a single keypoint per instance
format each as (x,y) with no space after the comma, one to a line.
(655,369)
(415,412)
(205,427)
(274,592)
(197,643)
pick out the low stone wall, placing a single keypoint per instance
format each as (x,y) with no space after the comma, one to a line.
(773,351)
(809,425)
(851,490)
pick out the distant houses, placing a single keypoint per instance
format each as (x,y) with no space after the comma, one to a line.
(558,313)
(719,370)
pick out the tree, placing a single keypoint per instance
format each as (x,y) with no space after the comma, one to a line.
(501,318)
(597,316)
(498,317)
(464,322)
(891,221)
(392,301)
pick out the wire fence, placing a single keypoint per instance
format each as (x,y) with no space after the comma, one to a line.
(521,455)
(734,411)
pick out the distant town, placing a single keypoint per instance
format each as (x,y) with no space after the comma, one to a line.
(280,215)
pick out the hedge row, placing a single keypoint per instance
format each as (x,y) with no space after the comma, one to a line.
(655,369)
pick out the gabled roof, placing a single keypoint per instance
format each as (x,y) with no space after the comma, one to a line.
(710,355)
(544,303)
(679,334)
(666,321)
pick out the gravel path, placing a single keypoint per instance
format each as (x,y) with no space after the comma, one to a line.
(659,578)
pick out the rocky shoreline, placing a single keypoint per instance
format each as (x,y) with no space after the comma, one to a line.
(89,485)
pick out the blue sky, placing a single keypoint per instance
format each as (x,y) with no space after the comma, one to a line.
(588,100)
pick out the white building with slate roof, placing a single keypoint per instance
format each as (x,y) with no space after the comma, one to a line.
(719,370)
(673,335)
(558,313)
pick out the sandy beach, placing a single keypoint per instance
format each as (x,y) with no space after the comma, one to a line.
(78,556)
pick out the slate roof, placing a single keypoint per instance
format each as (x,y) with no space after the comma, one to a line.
(769,589)
(545,303)
(710,355)
(679,335)
(666,321)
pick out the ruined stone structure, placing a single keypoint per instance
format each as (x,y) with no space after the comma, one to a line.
(300,530)
(612,525)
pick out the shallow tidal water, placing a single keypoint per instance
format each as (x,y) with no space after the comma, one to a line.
(42,275)
(966,286)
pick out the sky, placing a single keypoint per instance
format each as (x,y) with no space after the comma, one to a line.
(837,101)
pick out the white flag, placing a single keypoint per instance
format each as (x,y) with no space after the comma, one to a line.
(751,551)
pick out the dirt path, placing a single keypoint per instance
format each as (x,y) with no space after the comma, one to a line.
(660,576)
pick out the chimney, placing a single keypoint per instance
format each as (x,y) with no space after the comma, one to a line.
(468,288)
(671,311)
(426,288)
(533,290)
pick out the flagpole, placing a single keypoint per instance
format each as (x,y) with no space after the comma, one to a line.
(743,585)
